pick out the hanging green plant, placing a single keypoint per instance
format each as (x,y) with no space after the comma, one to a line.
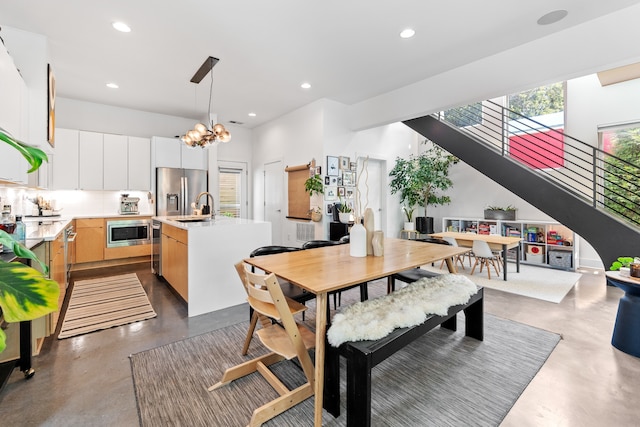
(314,185)
(25,293)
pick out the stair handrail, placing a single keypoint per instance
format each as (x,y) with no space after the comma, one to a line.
(601,179)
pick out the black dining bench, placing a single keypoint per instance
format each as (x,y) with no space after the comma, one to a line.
(362,356)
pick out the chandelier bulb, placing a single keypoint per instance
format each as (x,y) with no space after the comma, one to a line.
(218,128)
(200,128)
(225,136)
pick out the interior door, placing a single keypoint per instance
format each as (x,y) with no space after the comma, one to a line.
(273,190)
(372,185)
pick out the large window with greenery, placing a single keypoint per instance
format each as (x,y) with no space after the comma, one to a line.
(537,143)
(467,115)
(621,145)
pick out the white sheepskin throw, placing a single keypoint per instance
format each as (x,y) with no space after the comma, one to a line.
(409,306)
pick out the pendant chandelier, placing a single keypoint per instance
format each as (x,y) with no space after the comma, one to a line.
(201,135)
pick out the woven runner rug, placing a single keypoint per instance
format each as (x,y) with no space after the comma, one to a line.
(102,303)
(441,379)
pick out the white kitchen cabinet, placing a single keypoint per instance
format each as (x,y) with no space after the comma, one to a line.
(64,170)
(173,153)
(139,164)
(193,157)
(166,152)
(116,163)
(90,160)
(13,119)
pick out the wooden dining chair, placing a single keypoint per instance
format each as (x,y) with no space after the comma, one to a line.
(265,320)
(286,340)
(484,255)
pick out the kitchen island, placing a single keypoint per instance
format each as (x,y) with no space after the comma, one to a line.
(198,257)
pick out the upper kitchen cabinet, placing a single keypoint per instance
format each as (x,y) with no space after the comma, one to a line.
(139,164)
(64,167)
(116,162)
(14,118)
(173,153)
(90,161)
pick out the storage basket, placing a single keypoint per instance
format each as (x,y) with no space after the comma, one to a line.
(560,259)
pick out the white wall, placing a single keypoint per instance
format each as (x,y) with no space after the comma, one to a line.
(603,43)
(294,139)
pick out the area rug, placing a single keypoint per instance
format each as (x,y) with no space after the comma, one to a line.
(102,303)
(546,284)
(441,379)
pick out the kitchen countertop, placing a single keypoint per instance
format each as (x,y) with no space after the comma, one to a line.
(186,222)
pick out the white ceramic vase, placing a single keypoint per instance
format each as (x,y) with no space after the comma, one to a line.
(409,226)
(358,240)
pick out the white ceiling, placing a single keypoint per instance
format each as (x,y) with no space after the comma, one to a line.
(349,50)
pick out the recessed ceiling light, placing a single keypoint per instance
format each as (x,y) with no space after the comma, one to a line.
(552,17)
(407,33)
(121,26)
(305,86)
(252,114)
(112,86)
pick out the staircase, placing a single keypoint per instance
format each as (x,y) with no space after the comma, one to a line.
(578,185)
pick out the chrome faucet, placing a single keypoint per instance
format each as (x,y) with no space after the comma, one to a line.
(213,210)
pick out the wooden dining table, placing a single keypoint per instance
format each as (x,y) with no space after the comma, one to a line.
(495,241)
(331,268)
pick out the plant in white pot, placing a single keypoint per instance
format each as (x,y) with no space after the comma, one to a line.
(345,213)
(25,293)
(408,212)
(420,179)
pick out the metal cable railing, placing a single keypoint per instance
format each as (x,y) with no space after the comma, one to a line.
(601,179)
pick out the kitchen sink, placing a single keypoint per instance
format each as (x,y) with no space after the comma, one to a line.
(193,219)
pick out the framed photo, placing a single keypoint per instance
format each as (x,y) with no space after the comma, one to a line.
(333,164)
(318,170)
(331,193)
(333,180)
(339,180)
(353,166)
(350,192)
(327,180)
(348,178)
(340,191)
(344,163)
(329,208)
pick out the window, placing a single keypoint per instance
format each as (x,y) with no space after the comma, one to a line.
(232,190)
(531,142)
(621,145)
(467,115)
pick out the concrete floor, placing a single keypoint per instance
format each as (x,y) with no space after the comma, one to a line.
(86,380)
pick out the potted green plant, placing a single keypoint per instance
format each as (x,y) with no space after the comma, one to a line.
(25,293)
(313,185)
(344,213)
(420,180)
(408,212)
(500,213)
(627,266)
(316,214)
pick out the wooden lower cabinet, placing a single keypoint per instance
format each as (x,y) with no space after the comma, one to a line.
(57,272)
(90,240)
(175,259)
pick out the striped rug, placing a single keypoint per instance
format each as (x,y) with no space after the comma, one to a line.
(102,303)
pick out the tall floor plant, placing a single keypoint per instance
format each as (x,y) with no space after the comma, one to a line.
(25,293)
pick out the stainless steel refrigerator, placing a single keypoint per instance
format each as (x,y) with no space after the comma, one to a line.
(176,189)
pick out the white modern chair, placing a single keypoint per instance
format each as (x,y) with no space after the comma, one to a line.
(457,258)
(484,255)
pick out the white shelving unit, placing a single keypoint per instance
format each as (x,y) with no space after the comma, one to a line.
(544,243)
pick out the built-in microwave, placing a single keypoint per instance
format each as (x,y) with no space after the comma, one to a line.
(128,233)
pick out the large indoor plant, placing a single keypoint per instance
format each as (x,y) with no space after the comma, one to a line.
(420,179)
(25,293)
